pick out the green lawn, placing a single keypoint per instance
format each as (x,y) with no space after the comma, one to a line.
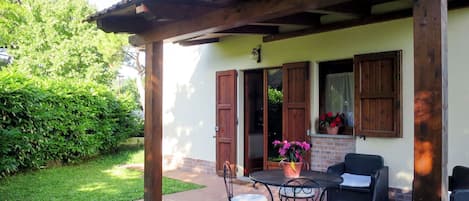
(100,179)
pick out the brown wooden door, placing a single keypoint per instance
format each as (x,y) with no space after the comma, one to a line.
(226,120)
(296,90)
(253,120)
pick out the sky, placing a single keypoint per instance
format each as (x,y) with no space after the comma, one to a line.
(102,4)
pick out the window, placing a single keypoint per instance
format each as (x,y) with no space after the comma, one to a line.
(367,90)
(336,91)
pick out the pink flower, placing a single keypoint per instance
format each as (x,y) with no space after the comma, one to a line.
(286,145)
(332,125)
(306,146)
(292,151)
(282,151)
(329,114)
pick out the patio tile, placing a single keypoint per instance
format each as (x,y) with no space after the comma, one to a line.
(214,190)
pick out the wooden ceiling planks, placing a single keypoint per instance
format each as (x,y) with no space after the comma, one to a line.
(183,20)
(229,17)
(339,25)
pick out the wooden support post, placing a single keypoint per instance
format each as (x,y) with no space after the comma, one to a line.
(430,101)
(153,121)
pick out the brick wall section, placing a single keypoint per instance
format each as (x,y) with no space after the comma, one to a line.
(327,151)
(190,165)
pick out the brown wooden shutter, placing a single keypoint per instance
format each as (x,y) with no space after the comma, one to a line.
(296,116)
(226,118)
(378,94)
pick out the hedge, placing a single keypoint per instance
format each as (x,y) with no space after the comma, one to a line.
(48,120)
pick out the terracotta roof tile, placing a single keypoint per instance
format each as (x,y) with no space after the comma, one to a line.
(120,5)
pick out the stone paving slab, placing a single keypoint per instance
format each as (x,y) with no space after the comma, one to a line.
(214,190)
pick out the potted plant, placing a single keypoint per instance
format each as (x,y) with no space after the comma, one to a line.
(293,154)
(331,122)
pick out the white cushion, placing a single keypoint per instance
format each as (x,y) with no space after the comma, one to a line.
(249,197)
(354,180)
(299,192)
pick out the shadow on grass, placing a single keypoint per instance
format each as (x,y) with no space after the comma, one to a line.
(102,178)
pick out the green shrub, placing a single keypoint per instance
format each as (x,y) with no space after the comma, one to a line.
(48,120)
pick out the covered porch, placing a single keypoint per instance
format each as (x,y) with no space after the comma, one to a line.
(294,31)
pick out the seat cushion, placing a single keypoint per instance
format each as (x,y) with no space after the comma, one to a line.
(297,192)
(249,197)
(354,180)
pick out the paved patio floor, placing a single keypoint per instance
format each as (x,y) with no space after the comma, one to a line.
(214,190)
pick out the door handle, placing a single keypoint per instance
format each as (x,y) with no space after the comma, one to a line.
(308,132)
(216,130)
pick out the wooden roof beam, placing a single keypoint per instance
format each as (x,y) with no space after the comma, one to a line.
(198,42)
(355,8)
(339,25)
(170,11)
(198,3)
(304,18)
(123,24)
(252,29)
(455,4)
(226,18)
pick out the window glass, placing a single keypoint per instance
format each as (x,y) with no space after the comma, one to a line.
(339,95)
(274,105)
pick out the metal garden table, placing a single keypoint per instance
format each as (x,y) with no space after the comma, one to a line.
(276,178)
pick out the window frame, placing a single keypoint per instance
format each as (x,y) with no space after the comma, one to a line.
(331,67)
(325,68)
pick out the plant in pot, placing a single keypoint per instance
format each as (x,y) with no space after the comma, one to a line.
(293,154)
(331,122)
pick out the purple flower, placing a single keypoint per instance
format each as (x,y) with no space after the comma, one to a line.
(282,151)
(292,151)
(306,146)
(286,145)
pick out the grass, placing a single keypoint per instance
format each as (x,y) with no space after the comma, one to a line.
(101,179)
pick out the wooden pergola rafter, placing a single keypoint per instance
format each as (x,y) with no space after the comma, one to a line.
(192,22)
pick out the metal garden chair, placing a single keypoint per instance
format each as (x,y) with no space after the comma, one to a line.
(228,176)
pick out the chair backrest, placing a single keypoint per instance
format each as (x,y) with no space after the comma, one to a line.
(299,186)
(460,178)
(228,178)
(363,164)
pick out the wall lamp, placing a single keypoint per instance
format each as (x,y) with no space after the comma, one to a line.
(256,54)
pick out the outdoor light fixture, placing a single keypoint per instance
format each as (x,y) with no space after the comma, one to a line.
(256,53)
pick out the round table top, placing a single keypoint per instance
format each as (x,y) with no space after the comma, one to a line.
(276,177)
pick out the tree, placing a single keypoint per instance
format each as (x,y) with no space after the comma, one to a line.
(11,17)
(132,59)
(55,42)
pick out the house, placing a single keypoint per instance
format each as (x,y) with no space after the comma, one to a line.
(400,66)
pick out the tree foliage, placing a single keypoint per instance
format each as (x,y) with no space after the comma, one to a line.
(52,40)
(11,17)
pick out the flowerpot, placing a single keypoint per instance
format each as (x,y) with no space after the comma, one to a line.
(291,169)
(332,130)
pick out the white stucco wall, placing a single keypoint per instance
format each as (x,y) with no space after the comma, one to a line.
(189,87)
